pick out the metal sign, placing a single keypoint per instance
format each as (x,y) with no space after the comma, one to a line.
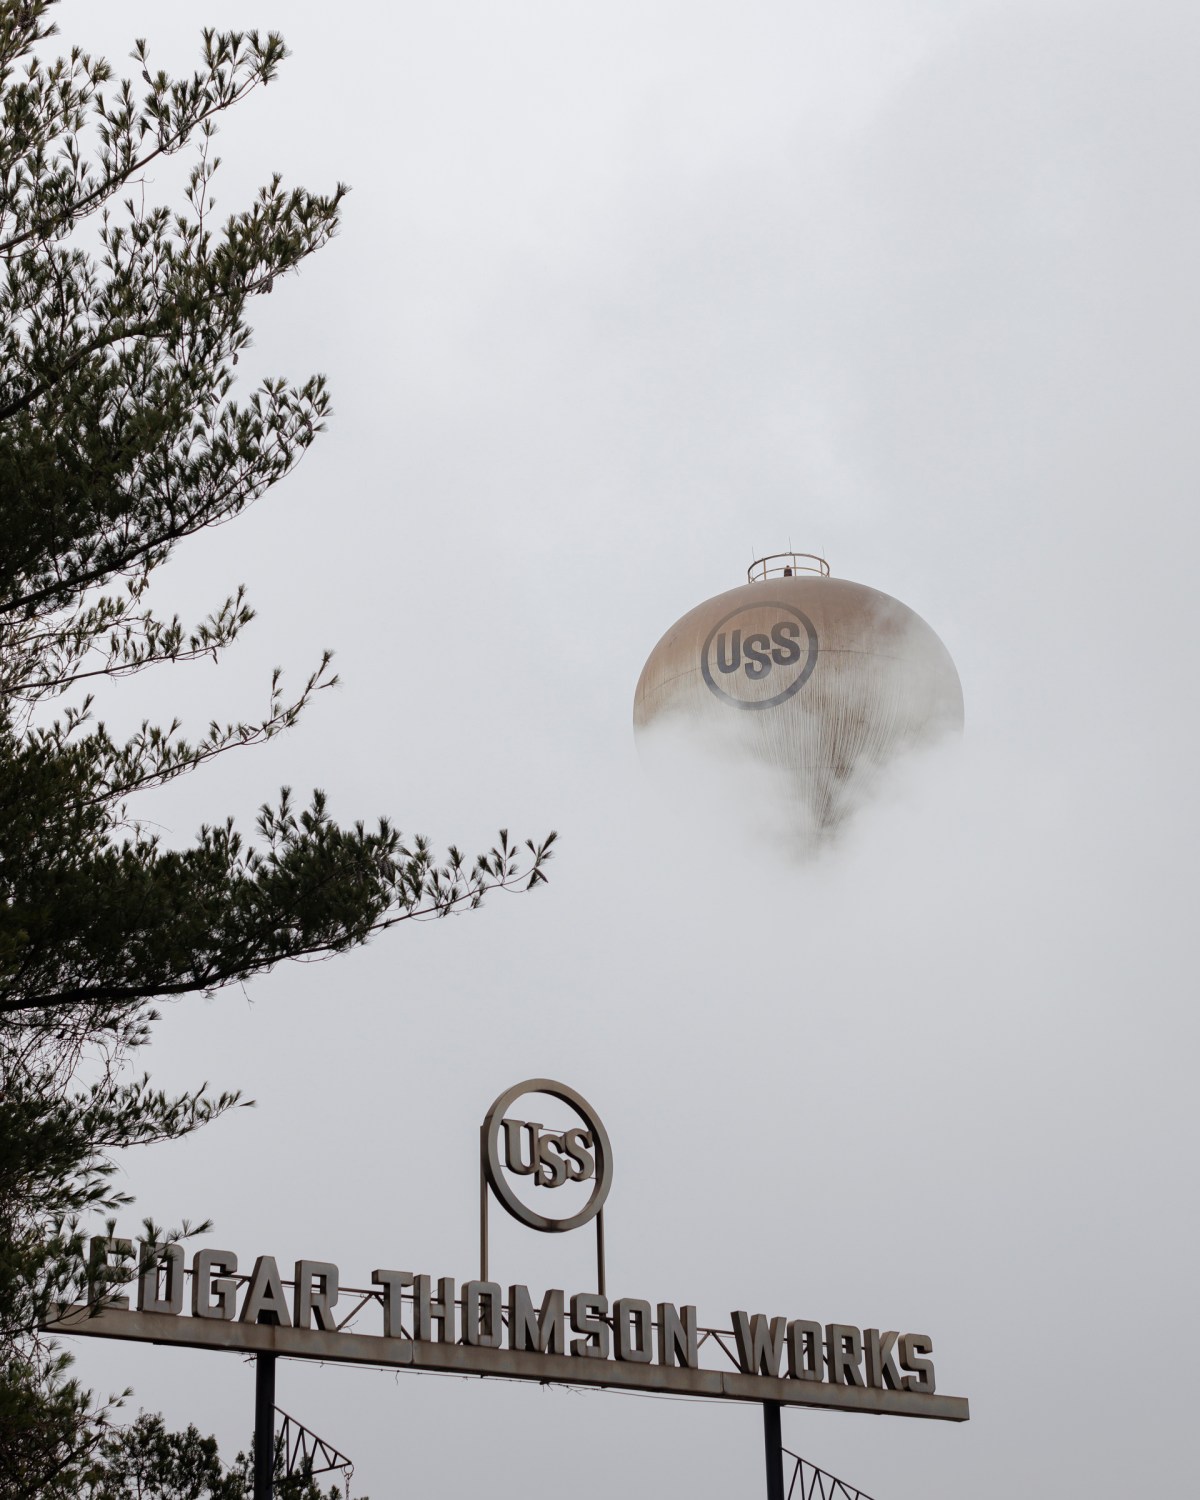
(551,1157)
(410,1320)
(554,1158)
(407,1319)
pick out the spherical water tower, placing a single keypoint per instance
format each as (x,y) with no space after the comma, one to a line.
(822,679)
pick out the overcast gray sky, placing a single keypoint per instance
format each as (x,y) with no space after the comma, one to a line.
(626,295)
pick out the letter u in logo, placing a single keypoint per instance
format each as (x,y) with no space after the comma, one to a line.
(734,661)
(512,1146)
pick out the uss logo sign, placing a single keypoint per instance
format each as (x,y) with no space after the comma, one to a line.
(550,1157)
(513,1147)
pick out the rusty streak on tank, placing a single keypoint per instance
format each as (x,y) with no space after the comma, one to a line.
(823,679)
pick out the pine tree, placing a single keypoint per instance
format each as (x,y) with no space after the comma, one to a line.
(125,430)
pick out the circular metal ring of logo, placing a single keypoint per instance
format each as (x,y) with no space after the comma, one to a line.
(600,1144)
(785,652)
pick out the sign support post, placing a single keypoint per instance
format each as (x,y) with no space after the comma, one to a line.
(483,1205)
(773,1439)
(264,1426)
(600,1285)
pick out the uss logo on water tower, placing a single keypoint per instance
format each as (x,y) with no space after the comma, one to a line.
(760,655)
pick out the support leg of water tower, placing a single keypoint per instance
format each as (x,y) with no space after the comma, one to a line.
(773,1440)
(264,1426)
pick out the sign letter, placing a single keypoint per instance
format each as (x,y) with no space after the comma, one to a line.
(805,1346)
(512,1146)
(212,1272)
(265,1295)
(588,1312)
(552,1161)
(881,1370)
(393,1284)
(678,1336)
(634,1324)
(318,1300)
(157,1259)
(544,1332)
(759,1343)
(578,1146)
(483,1327)
(429,1312)
(845,1354)
(102,1272)
(912,1346)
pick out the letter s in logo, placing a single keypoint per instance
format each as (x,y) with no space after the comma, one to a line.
(758,661)
(786,636)
(577,1144)
(552,1161)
